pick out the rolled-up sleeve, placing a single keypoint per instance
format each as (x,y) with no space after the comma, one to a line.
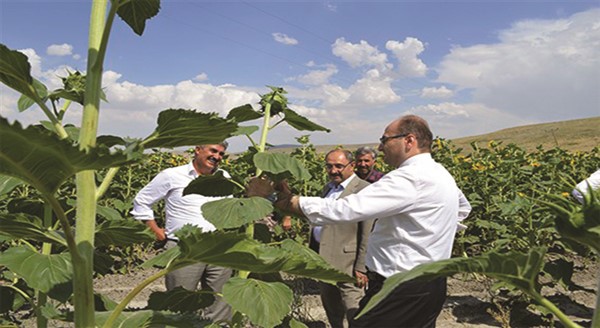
(464,209)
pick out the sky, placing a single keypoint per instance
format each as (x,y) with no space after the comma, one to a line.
(467,67)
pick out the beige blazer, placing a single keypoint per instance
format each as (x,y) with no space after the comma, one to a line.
(344,245)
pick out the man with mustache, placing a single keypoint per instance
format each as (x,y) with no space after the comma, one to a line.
(343,246)
(365,164)
(181,210)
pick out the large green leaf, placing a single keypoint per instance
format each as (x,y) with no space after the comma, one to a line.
(265,303)
(39,271)
(149,318)
(136,12)
(162,259)
(180,300)
(215,185)
(108,213)
(516,269)
(15,71)
(244,113)
(7,184)
(245,130)
(235,212)
(235,250)
(180,127)
(41,159)
(303,258)
(24,226)
(122,233)
(300,122)
(280,163)
(139,319)
(582,223)
(25,102)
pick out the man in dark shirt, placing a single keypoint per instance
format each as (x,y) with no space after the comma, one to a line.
(365,164)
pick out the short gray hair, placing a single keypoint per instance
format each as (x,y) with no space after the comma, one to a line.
(225,144)
(347,154)
(365,150)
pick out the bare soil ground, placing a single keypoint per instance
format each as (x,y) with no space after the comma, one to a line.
(469,303)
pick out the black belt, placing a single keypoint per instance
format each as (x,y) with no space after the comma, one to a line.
(374,276)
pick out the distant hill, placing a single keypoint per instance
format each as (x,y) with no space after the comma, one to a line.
(572,135)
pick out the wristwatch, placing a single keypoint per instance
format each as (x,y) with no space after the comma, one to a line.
(273,197)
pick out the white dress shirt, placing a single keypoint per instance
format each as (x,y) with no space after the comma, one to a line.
(417,211)
(582,188)
(179,210)
(335,191)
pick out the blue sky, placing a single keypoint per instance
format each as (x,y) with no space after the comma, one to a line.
(468,67)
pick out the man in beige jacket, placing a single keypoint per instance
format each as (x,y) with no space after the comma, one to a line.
(344,245)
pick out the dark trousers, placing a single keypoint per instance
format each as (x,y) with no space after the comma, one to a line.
(412,304)
(203,276)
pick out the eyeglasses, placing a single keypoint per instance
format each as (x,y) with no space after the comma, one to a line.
(337,166)
(384,139)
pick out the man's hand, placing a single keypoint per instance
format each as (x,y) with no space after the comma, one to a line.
(286,223)
(361,279)
(260,186)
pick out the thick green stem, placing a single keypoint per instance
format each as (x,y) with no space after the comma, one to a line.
(117,311)
(41,297)
(261,148)
(85,182)
(557,312)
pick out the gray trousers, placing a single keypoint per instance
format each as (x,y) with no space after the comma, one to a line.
(202,276)
(340,301)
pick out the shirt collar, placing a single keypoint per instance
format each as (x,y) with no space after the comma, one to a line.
(344,183)
(416,159)
(191,169)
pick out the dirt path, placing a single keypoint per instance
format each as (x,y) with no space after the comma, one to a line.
(469,302)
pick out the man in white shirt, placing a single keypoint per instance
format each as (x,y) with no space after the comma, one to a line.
(181,210)
(343,245)
(583,187)
(417,211)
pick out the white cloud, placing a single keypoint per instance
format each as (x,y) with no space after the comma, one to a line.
(201,77)
(331,6)
(452,120)
(318,77)
(433,92)
(34,60)
(373,89)
(407,53)
(60,50)
(282,38)
(360,54)
(541,70)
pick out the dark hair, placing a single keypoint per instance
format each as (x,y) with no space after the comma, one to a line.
(348,154)
(418,126)
(365,150)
